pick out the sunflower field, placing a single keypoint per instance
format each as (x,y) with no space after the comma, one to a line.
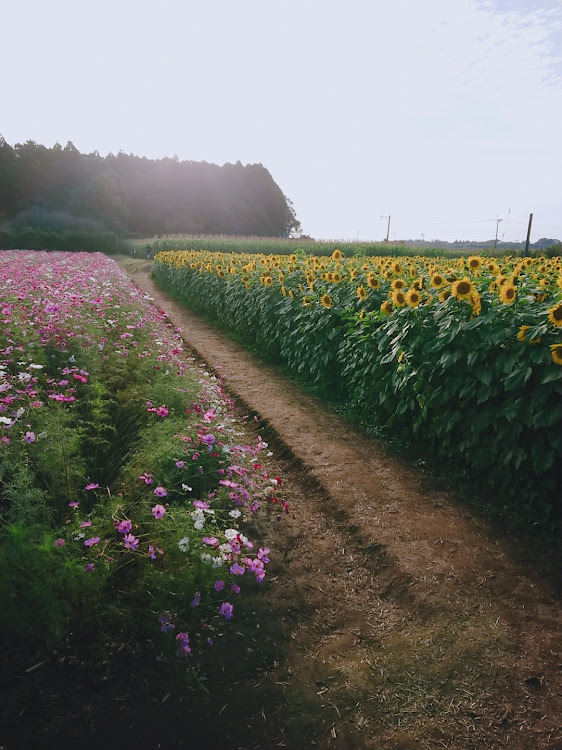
(462,356)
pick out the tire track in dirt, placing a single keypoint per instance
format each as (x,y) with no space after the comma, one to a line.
(410,624)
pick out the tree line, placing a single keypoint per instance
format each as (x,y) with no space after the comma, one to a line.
(60,189)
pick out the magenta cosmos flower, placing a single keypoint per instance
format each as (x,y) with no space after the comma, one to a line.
(226,609)
(130,541)
(160,492)
(158,511)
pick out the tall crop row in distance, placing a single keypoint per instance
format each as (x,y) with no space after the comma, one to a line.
(463,356)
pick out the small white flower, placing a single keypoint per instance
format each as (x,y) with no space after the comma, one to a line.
(183,544)
(231,534)
(186,488)
(35,367)
(78,537)
(206,558)
(19,413)
(199,525)
(6,421)
(217,562)
(235,513)
(72,359)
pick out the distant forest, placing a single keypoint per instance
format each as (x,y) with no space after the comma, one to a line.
(61,189)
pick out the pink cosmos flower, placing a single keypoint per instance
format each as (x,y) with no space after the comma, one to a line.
(29,437)
(91,542)
(158,511)
(85,524)
(235,588)
(59,543)
(91,486)
(219,585)
(180,464)
(210,540)
(89,567)
(123,527)
(130,542)
(162,411)
(160,492)
(196,599)
(183,642)
(146,478)
(237,570)
(226,609)
(74,504)
(201,504)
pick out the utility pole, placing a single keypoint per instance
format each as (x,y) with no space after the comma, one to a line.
(528,235)
(387,227)
(497,227)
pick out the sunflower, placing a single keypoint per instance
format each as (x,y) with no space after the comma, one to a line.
(306,301)
(438,281)
(463,289)
(556,351)
(444,295)
(476,304)
(283,291)
(474,262)
(398,284)
(508,293)
(522,332)
(266,280)
(413,298)
(361,292)
(336,255)
(291,294)
(399,298)
(555,315)
(326,300)
(386,307)
(372,281)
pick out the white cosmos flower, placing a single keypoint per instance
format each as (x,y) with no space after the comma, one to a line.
(183,544)
(231,534)
(6,421)
(235,513)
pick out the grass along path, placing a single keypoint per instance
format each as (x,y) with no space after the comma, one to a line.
(428,630)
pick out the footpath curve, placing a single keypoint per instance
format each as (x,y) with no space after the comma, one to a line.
(424,630)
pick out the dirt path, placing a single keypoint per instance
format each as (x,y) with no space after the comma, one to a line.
(397,620)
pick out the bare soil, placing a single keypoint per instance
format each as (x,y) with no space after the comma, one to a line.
(393,616)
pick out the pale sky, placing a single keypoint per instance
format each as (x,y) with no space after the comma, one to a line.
(444,114)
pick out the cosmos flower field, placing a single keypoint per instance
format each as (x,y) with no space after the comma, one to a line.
(461,356)
(128,501)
